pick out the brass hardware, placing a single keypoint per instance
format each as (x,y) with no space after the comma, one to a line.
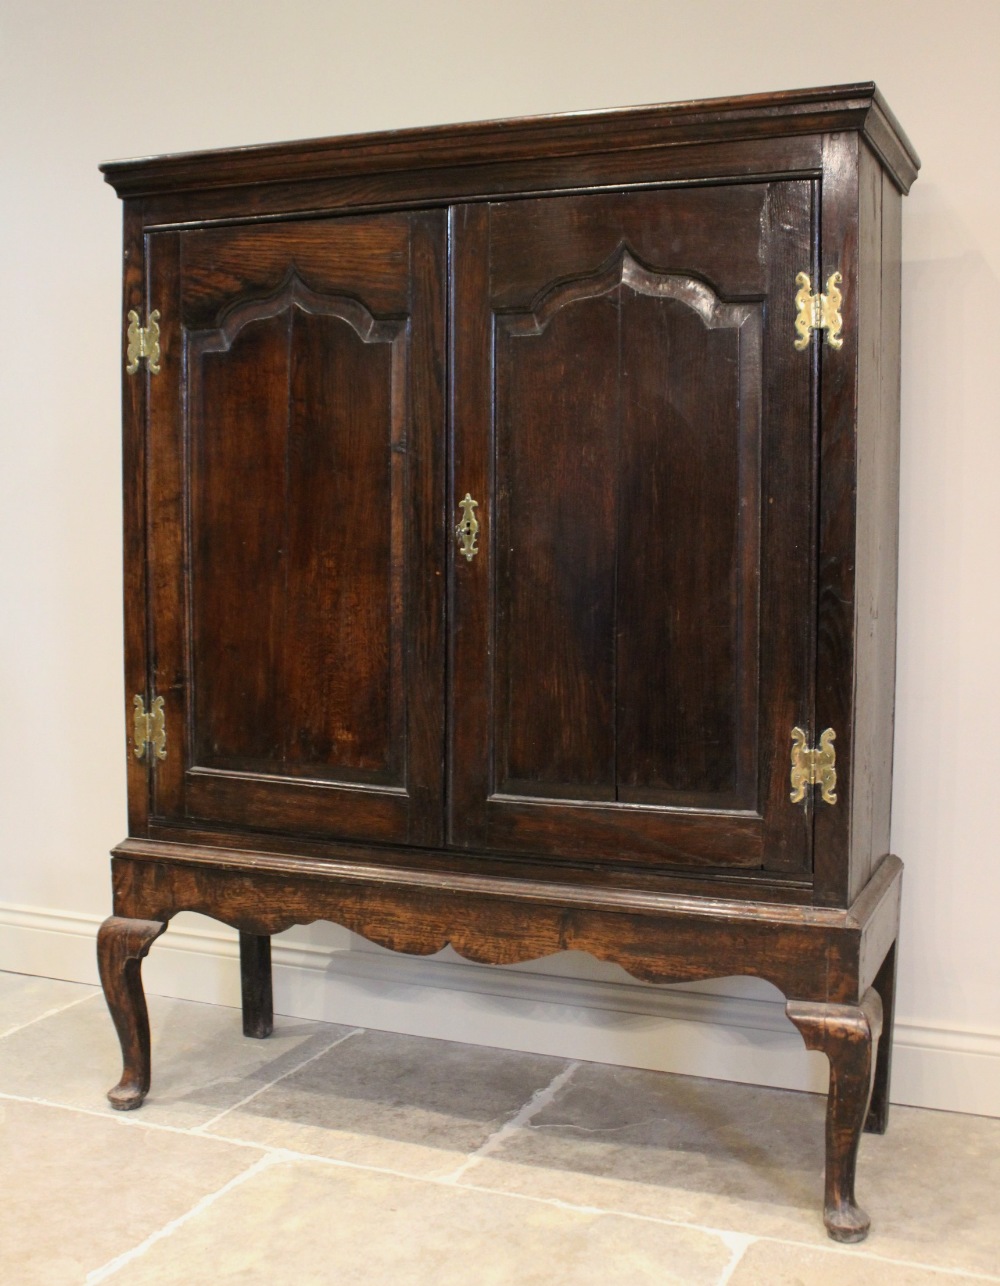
(143,342)
(813,767)
(149,729)
(468,528)
(818,312)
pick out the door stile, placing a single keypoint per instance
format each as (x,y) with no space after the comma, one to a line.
(167,524)
(469,579)
(788,574)
(425,562)
(135,297)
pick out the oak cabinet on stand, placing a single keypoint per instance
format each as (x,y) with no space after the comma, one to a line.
(510,523)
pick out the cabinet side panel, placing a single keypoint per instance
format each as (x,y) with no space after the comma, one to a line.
(869,450)
(877,487)
(886,499)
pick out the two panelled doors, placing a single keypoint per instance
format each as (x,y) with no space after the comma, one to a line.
(613,673)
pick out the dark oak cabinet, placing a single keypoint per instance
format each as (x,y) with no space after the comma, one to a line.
(510,554)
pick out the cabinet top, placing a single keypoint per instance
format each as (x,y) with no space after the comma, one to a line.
(858,107)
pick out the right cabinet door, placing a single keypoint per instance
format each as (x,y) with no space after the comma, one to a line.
(633,642)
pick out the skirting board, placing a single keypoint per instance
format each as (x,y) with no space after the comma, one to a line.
(691,1030)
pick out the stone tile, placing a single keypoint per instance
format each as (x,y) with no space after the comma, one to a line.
(930,1185)
(397,1102)
(305,1223)
(23,998)
(768,1263)
(79,1190)
(748,1159)
(698,1151)
(202,1062)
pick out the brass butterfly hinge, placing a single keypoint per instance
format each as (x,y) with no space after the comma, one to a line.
(149,728)
(468,529)
(814,767)
(143,342)
(818,312)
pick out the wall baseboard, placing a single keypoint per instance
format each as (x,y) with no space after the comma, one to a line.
(735,1030)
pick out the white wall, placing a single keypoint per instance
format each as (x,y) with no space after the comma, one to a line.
(87,80)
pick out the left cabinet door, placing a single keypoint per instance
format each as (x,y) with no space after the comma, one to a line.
(294,443)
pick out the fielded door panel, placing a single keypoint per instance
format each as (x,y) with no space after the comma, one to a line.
(633,642)
(295,458)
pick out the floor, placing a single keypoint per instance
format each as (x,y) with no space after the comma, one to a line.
(332,1154)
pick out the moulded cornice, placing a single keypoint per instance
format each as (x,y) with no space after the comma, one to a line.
(858,107)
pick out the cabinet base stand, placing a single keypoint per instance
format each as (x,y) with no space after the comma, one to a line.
(835,966)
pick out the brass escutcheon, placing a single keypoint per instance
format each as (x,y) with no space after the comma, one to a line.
(468,529)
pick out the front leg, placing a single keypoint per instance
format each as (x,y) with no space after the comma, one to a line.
(847,1035)
(121,946)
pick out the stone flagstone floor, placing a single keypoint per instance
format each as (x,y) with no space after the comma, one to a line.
(330,1154)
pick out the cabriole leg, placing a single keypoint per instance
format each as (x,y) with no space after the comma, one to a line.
(885,985)
(848,1035)
(121,946)
(255,980)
